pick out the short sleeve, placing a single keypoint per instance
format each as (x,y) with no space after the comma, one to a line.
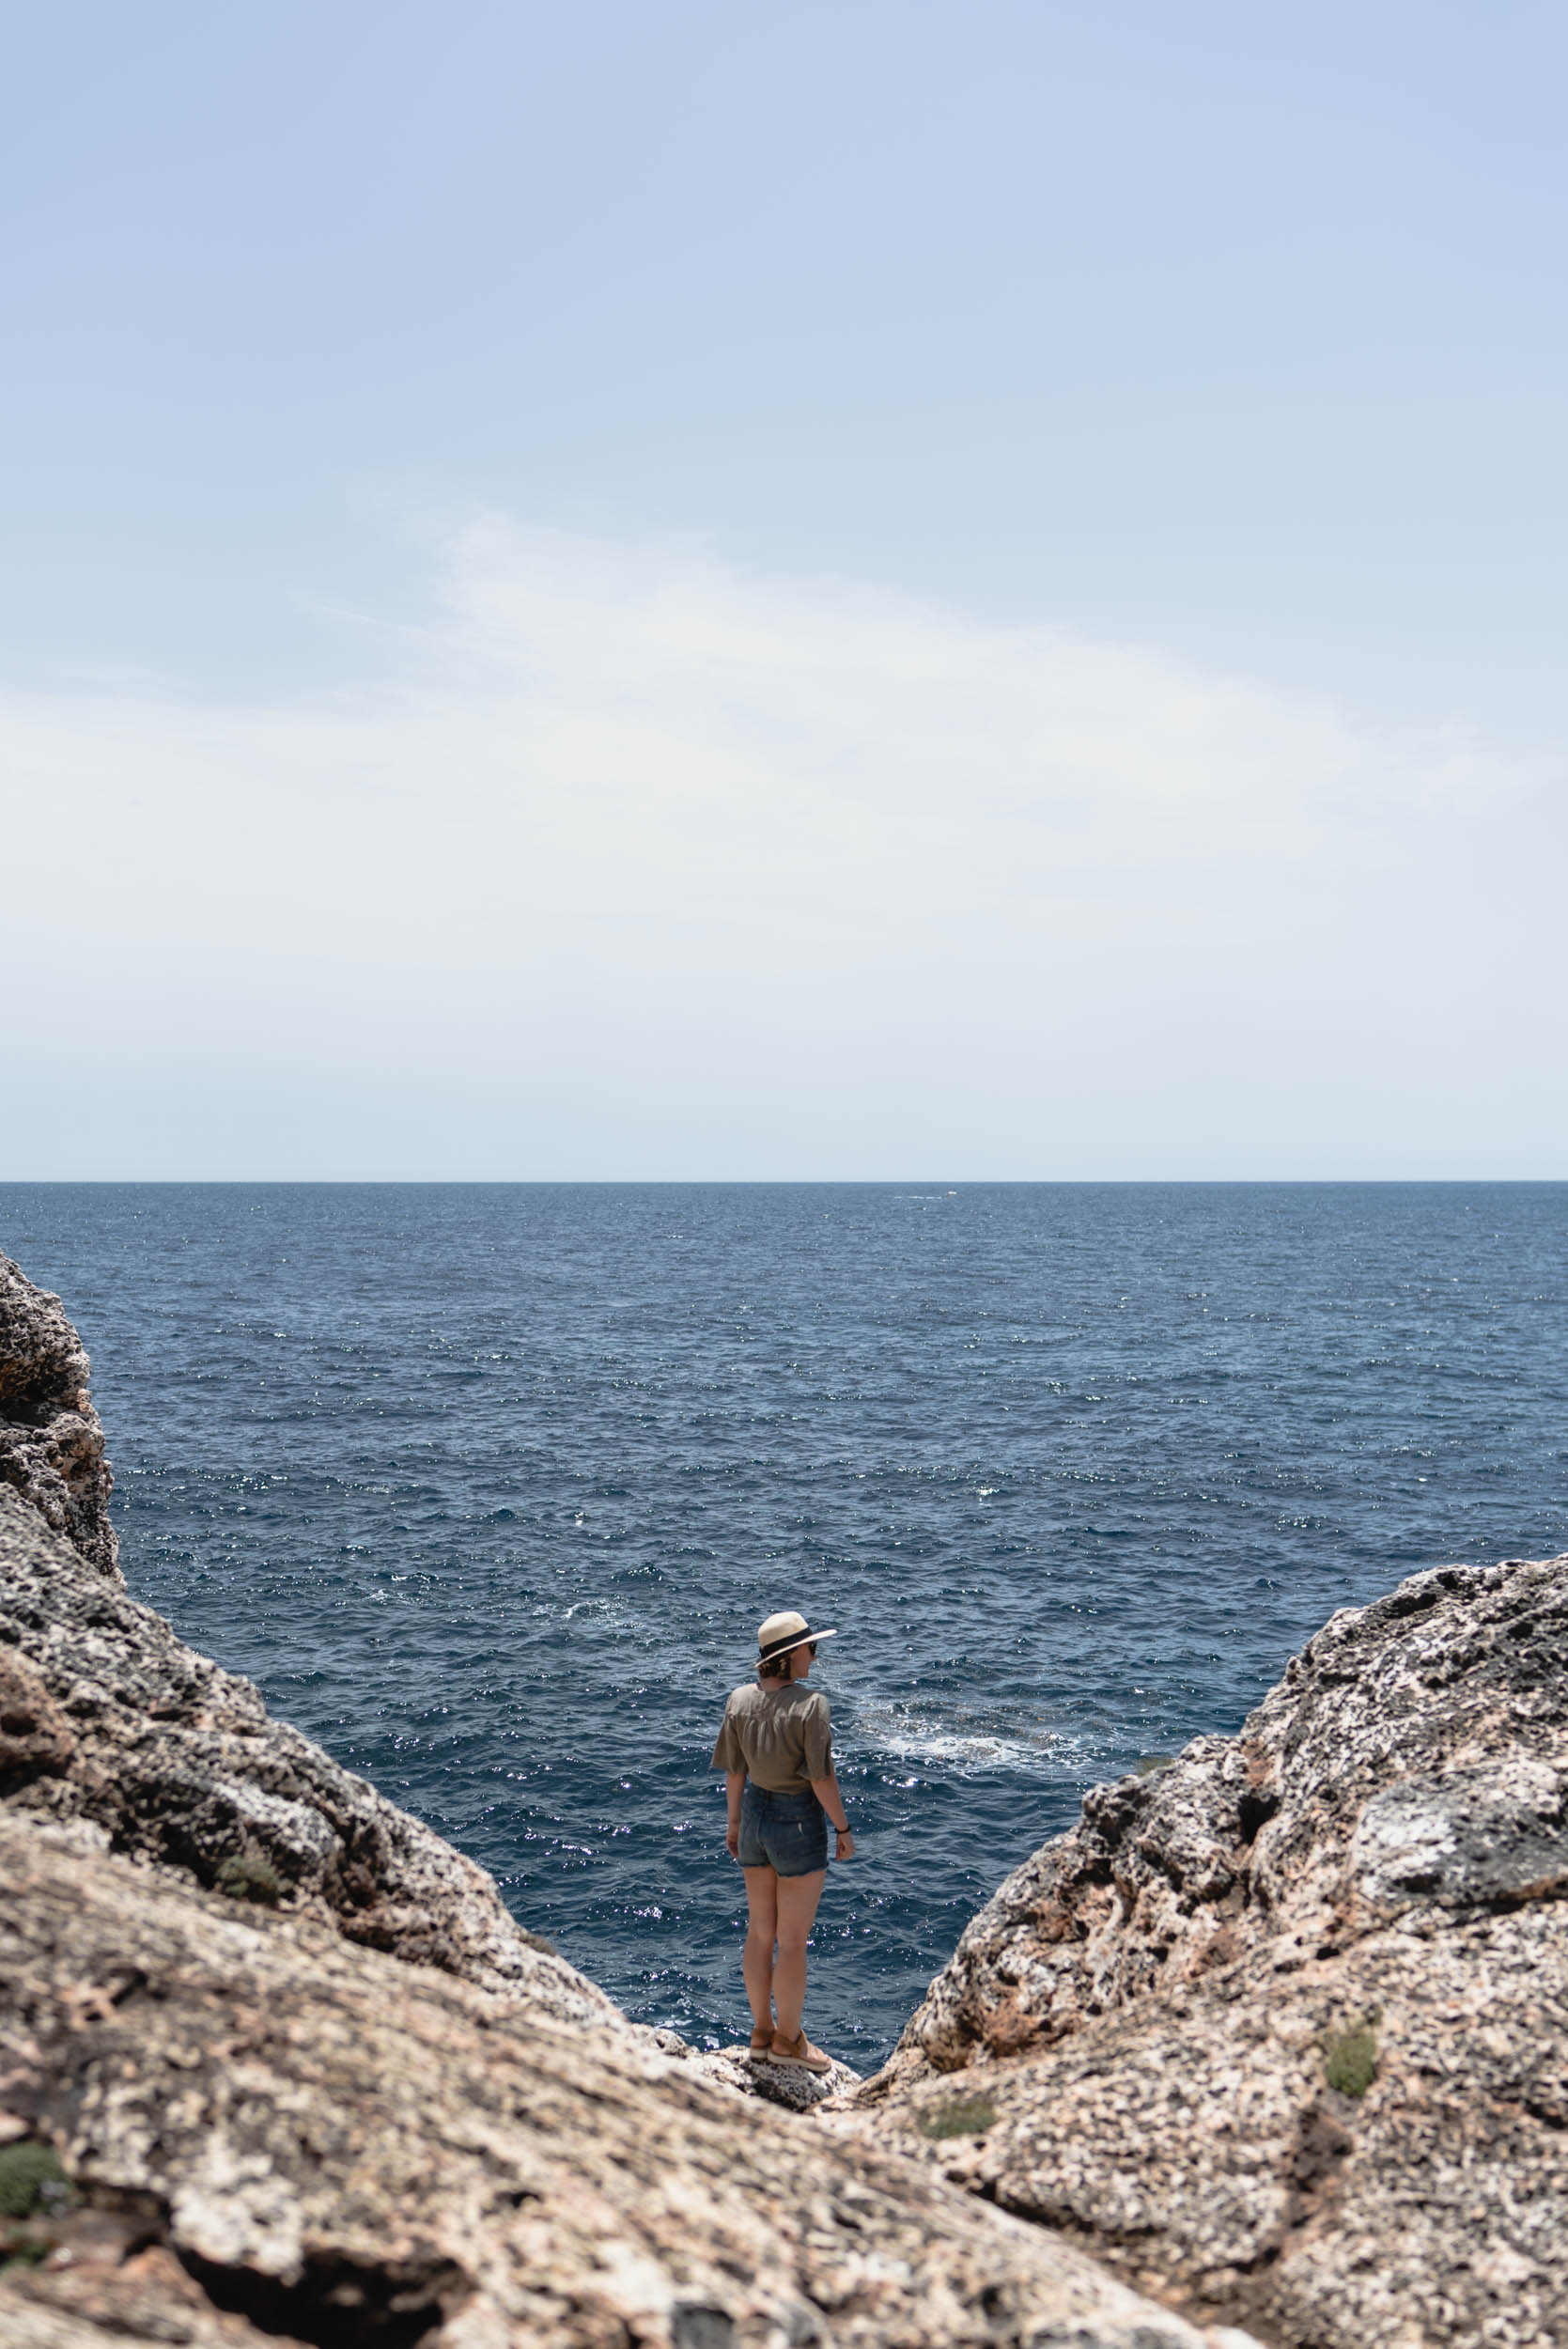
(816,1738)
(726,1752)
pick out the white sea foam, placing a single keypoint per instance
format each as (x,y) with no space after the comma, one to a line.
(968,1741)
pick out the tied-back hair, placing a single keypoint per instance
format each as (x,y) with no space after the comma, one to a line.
(779,1668)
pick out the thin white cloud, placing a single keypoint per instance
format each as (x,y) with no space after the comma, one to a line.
(633,818)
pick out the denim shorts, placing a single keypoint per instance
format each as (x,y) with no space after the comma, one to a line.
(788,1833)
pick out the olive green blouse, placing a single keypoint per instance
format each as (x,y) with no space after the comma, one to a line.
(780,1736)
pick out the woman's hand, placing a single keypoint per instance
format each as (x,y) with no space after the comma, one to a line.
(828,1795)
(731,1839)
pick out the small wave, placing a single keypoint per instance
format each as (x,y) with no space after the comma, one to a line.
(966,1741)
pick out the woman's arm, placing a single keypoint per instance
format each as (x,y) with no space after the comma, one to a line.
(826,1793)
(734,1787)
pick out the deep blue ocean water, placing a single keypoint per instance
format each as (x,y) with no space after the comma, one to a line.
(489,1487)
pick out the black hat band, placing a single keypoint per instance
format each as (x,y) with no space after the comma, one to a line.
(782,1647)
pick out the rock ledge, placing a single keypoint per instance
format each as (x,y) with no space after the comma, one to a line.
(1282,2031)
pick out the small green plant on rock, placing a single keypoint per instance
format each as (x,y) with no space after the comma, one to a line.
(248,1874)
(961,2116)
(26,2170)
(1148,1763)
(1350,2059)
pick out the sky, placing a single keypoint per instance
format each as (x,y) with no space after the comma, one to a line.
(849,592)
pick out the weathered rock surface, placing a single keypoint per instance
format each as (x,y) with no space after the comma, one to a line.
(1282,2031)
(51,1439)
(786,2085)
(341,2148)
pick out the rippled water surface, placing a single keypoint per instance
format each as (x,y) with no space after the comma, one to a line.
(489,1487)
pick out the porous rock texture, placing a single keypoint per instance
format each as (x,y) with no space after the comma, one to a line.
(51,1439)
(262,2120)
(1280,2032)
(308,2081)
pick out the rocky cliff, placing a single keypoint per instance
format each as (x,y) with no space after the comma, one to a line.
(50,1440)
(276,2064)
(1282,2031)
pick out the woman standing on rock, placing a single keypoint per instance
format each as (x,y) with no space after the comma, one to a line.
(776,1750)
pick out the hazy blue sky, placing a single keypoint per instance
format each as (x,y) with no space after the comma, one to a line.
(848,591)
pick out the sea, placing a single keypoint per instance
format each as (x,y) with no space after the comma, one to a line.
(488,1486)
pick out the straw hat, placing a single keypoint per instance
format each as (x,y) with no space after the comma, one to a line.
(779,1633)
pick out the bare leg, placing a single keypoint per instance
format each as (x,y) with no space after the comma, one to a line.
(798,1897)
(762,1908)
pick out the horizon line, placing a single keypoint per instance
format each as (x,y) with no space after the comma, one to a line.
(768,1182)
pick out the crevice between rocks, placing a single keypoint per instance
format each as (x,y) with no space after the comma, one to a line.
(337,2301)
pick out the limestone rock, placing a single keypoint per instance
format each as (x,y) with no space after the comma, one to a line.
(51,1439)
(1281,2031)
(786,2085)
(338,2148)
